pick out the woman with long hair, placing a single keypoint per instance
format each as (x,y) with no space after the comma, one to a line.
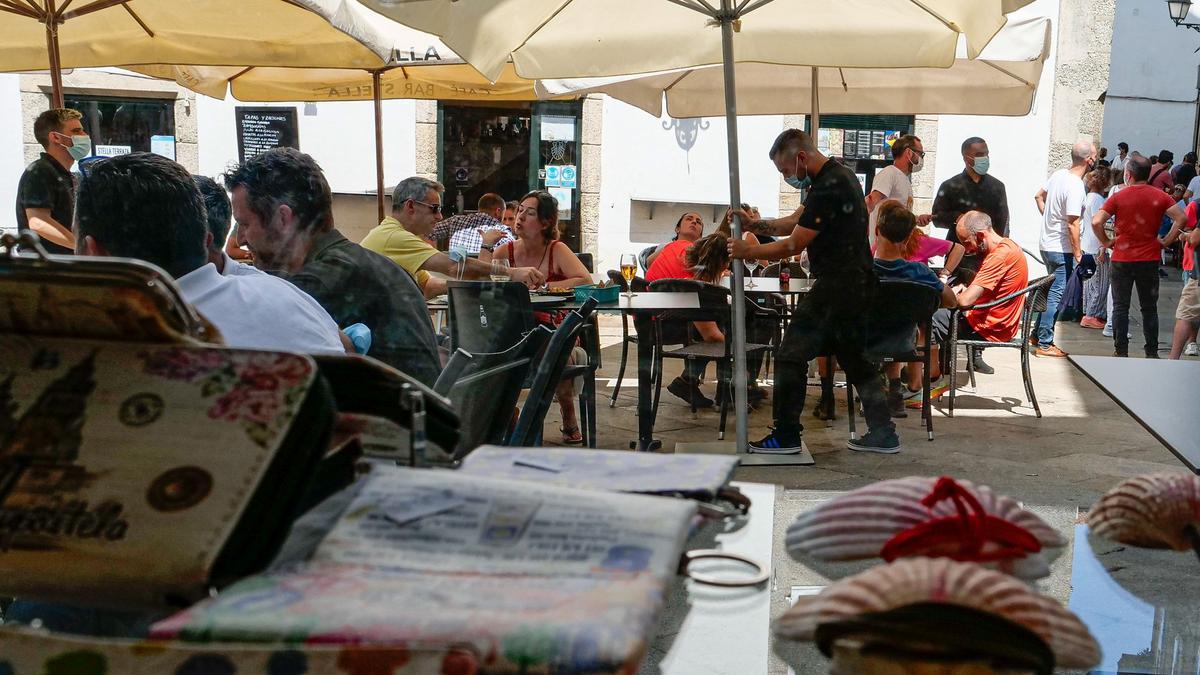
(1095,289)
(538,246)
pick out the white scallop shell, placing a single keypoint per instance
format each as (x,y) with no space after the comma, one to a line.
(857,524)
(918,580)
(1149,511)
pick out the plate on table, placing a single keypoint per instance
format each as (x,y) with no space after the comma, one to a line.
(547,300)
(562,293)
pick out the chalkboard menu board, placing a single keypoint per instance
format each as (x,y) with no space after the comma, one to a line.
(260,129)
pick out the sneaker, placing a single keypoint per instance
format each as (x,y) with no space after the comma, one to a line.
(777,445)
(689,392)
(982,368)
(1052,352)
(1092,322)
(1190,349)
(1107,332)
(883,441)
(895,403)
(824,410)
(938,387)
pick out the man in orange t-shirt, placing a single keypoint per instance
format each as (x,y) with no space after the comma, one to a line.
(1003,271)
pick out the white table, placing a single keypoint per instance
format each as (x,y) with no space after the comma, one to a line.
(725,630)
(771,285)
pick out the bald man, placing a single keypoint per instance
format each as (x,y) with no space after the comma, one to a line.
(1061,205)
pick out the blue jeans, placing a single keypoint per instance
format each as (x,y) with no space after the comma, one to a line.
(1060,265)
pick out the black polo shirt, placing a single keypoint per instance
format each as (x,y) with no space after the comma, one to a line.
(836,209)
(46,184)
(356,285)
(960,194)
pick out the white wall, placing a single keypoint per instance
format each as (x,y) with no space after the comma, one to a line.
(1151,101)
(1018,145)
(643,159)
(340,137)
(11,149)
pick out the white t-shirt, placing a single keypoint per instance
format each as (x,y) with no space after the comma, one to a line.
(1064,198)
(1087,236)
(1118,163)
(892,183)
(1194,186)
(254,310)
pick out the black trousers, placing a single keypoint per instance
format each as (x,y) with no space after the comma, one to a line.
(830,319)
(1124,277)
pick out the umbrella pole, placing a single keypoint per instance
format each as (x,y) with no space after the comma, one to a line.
(52,51)
(377,95)
(738,384)
(815,113)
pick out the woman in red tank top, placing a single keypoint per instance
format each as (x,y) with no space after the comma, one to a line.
(538,246)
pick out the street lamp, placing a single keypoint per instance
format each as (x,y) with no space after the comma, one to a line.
(1179,10)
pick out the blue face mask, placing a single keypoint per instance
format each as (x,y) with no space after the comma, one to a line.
(797,183)
(981,165)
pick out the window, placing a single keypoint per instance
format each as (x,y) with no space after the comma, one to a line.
(119,126)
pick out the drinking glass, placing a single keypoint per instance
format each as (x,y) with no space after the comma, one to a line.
(751,265)
(499,270)
(628,271)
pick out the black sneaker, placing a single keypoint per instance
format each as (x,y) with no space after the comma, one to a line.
(689,392)
(777,445)
(895,402)
(754,395)
(884,441)
(824,409)
(981,367)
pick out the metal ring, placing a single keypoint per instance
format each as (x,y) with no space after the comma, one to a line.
(712,553)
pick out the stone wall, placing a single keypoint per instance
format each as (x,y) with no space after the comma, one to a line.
(35,99)
(427,135)
(1085,31)
(589,172)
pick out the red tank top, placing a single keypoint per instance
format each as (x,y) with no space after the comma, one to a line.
(552,275)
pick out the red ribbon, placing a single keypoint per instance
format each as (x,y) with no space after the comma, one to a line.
(963,536)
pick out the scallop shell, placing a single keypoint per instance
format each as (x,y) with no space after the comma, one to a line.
(856,525)
(1150,511)
(917,580)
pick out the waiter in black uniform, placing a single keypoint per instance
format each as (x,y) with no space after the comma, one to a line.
(46,193)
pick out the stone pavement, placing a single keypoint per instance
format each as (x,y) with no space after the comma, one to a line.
(1083,445)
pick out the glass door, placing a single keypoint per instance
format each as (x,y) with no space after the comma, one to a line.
(482,150)
(555,153)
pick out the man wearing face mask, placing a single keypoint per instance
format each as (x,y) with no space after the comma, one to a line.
(1061,205)
(46,193)
(895,181)
(831,316)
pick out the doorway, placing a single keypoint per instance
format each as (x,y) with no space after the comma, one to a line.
(511,151)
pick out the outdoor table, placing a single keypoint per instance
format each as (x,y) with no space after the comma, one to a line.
(1163,408)
(772,285)
(643,306)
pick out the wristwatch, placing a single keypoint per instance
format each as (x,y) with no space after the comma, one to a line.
(490,248)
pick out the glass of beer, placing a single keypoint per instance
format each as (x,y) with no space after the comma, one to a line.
(628,271)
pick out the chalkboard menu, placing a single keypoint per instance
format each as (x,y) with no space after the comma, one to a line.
(260,129)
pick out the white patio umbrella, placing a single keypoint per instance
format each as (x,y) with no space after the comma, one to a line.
(60,34)
(1002,81)
(597,38)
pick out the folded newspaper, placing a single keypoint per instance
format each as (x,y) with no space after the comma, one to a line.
(529,578)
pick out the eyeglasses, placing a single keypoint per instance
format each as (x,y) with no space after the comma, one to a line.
(433,208)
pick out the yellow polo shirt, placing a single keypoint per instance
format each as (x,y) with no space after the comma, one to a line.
(402,247)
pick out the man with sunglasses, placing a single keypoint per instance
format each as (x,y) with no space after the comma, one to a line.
(895,181)
(403,237)
(46,193)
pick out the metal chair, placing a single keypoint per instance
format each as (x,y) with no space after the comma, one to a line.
(484,389)
(586,259)
(639,285)
(673,327)
(486,316)
(1033,298)
(551,364)
(900,312)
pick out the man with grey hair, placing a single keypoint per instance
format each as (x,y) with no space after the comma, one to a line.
(1060,202)
(403,238)
(1002,271)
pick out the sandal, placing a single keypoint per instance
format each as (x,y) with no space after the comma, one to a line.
(571,436)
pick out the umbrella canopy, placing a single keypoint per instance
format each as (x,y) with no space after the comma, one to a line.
(595,38)
(1002,81)
(58,34)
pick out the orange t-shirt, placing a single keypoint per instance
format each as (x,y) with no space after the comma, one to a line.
(1002,273)
(669,264)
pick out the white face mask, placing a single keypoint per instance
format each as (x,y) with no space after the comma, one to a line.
(918,162)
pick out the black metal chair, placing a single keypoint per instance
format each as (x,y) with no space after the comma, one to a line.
(485,387)
(901,312)
(639,284)
(586,259)
(1033,298)
(674,327)
(486,316)
(551,365)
